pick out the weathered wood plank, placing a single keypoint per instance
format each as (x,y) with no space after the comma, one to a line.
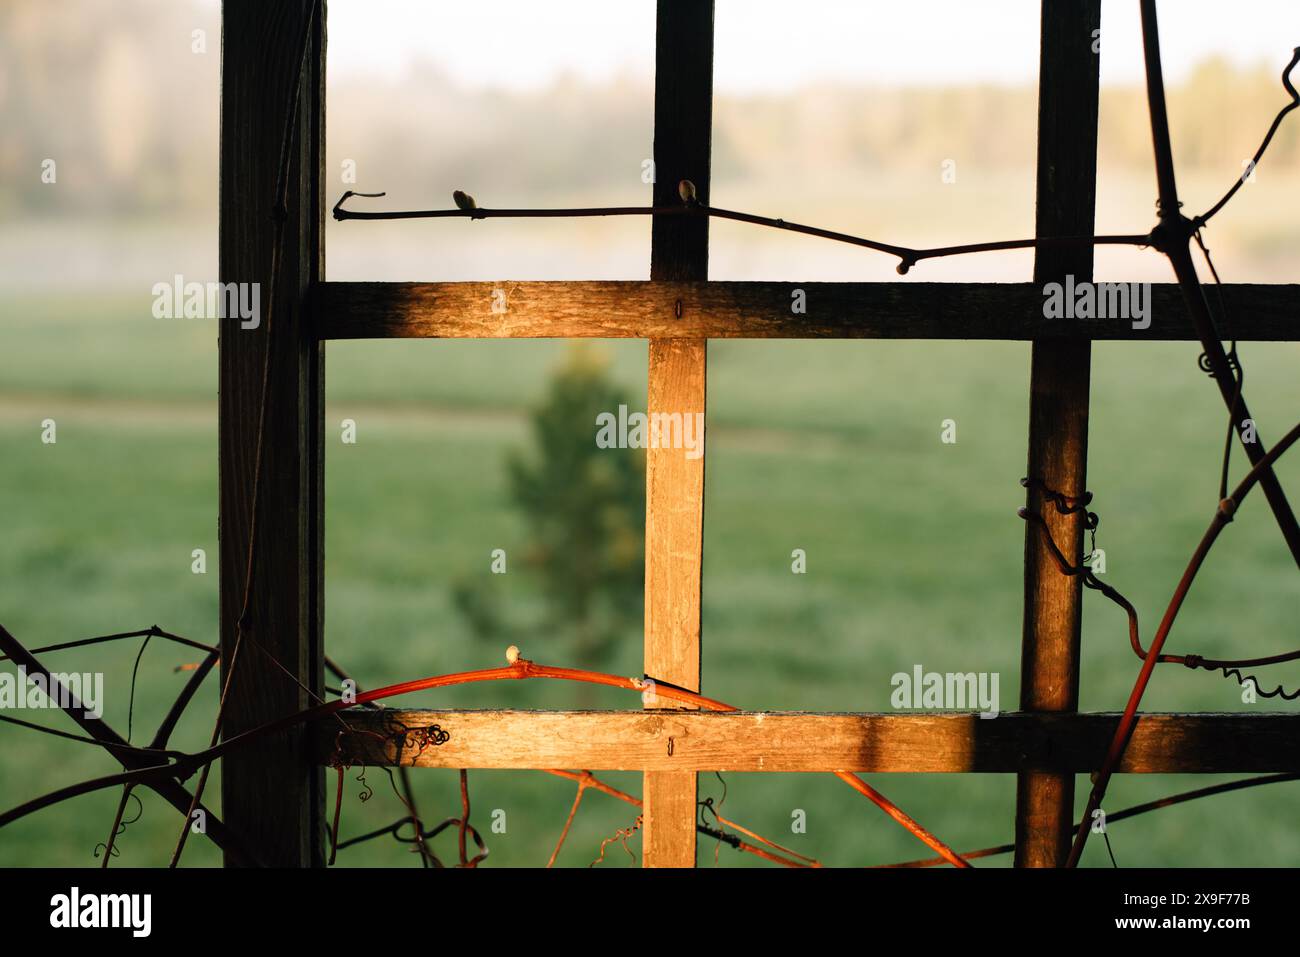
(272,795)
(798,741)
(674,534)
(674,528)
(1058,412)
(761,310)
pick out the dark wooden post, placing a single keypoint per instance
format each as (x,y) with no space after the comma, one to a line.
(1058,412)
(272,796)
(679,250)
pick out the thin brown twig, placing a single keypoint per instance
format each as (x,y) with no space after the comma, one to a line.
(1091,580)
(1268,137)
(141,762)
(109,845)
(174,713)
(407,795)
(596,784)
(1128,812)
(338,809)
(577,801)
(1123,732)
(188,823)
(155,753)
(808,861)
(153,630)
(464,815)
(907,256)
(621,835)
(521,669)
(280,216)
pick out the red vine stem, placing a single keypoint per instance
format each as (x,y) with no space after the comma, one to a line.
(1222,516)
(806,861)
(585,779)
(521,669)
(573,811)
(1137,809)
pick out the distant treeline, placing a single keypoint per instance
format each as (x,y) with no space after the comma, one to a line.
(116,96)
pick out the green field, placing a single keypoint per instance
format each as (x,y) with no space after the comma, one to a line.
(914,557)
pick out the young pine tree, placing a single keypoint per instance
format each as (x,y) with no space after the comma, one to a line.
(584,508)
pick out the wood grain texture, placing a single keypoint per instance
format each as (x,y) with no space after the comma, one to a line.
(272,794)
(799,741)
(674,534)
(761,310)
(675,518)
(1058,412)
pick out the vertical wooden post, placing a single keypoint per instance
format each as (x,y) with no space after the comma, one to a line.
(272,796)
(1058,412)
(675,483)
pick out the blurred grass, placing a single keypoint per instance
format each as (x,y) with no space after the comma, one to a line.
(914,557)
(914,551)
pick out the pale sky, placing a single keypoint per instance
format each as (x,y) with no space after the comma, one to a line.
(766,45)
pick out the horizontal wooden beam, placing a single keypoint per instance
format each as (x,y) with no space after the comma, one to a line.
(798,741)
(765,310)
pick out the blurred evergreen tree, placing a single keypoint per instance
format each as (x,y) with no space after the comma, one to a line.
(584,507)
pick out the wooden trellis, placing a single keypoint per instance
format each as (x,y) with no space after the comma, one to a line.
(273,792)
